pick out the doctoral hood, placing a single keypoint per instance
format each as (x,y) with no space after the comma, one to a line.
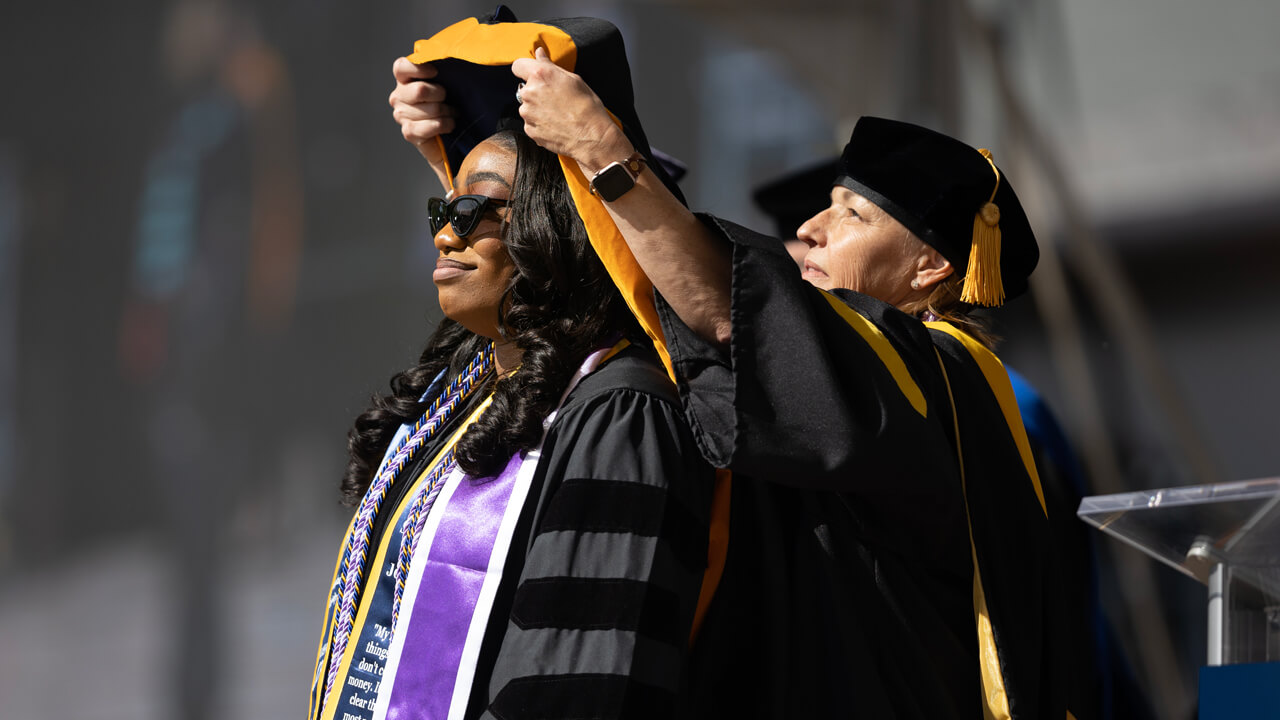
(473,59)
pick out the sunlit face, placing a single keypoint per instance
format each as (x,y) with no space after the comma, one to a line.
(472,273)
(855,245)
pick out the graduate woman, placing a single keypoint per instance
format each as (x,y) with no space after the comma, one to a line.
(531,526)
(898,564)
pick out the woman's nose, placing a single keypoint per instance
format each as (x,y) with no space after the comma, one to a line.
(812,232)
(447,240)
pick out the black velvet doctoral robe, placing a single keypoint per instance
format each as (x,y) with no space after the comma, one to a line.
(849,587)
(594,610)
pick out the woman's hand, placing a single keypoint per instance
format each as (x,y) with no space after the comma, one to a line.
(418,106)
(563,115)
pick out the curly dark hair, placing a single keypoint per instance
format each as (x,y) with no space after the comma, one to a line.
(559,307)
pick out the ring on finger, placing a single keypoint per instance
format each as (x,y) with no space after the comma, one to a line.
(519,99)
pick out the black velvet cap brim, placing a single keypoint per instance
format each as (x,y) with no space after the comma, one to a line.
(935,185)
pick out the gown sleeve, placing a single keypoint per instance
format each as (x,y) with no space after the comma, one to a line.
(822,390)
(601,616)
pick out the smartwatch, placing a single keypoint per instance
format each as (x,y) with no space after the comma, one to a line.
(616,178)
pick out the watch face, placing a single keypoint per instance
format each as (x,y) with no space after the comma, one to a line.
(611,182)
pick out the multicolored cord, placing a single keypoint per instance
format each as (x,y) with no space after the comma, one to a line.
(355,550)
(415,520)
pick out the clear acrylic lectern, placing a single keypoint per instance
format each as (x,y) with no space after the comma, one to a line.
(1225,535)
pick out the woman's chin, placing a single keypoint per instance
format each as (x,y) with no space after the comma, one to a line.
(477,321)
(822,281)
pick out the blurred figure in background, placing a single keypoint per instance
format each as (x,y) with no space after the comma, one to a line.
(213,282)
(1103,684)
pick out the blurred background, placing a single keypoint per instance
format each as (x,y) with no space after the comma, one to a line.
(213,249)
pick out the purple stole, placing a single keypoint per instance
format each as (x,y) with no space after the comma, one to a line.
(453,578)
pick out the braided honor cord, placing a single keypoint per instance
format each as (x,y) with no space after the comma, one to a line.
(414,521)
(355,551)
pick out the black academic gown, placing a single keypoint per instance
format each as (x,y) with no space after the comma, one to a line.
(848,588)
(594,619)
(594,610)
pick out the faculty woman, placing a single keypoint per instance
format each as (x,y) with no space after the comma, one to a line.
(897,563)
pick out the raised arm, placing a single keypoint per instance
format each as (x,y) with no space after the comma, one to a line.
(688,265)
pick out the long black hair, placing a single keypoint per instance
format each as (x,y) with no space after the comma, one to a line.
(559,307)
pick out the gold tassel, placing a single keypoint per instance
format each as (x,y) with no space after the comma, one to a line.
(983,284)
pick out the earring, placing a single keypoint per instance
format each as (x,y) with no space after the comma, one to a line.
(915,284)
